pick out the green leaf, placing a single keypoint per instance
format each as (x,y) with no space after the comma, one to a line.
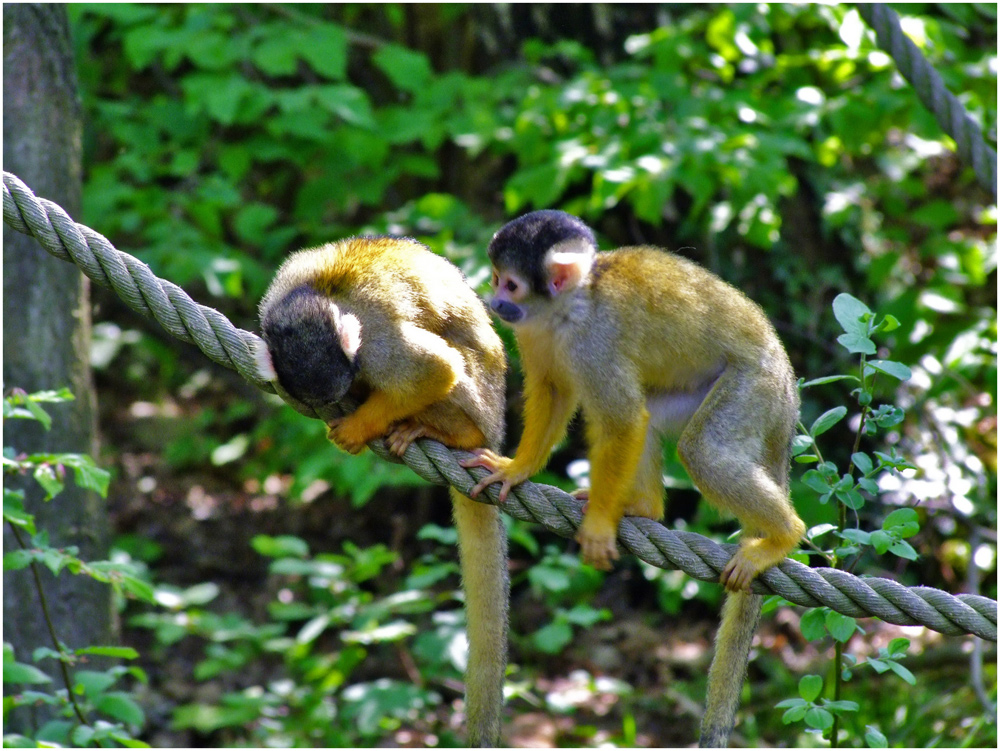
(863,462)
(45,475)
(138,588)
(868,485)
(795,702)
(14,513)
(827,379)
(881,541)
(587,615)
(124,653)
(815,481)
(827,420)
(251,221)
(857,344)
(902,672)
(812,624)
(52,733)
(857,536)
(553,638)
(92,682)
(891,368)
(549,578)
(852,314)
(277,54)
(207,719)
(902,522)
(83,735)
(313,629)
(19,672)
(17,559)
(120,705)
(795,714)
(347,102)
(819,718)
(408,70)
(324,47)
(851,498)
(874,737)
(87,474)
(936,215)
(810,687)
(282,546)
(841,627)
(801,443)
(819,530)
(903,549)
(898,646)
(889,323)
(38,413)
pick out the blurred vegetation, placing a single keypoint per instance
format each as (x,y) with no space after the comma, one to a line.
(774,144)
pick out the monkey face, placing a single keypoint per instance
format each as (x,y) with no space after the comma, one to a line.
(509,295)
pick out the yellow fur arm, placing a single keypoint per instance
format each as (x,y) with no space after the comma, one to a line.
(614,459)
(433,370)
(548,408)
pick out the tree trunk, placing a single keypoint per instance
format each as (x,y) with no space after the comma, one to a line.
(46,338)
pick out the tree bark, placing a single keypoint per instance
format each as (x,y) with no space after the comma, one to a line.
(46,339)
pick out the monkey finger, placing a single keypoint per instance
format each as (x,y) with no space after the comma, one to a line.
(480,486)
(736,577)
(483,458)
(504,490)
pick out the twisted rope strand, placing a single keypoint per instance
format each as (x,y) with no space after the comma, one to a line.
(550,507)
(930,88)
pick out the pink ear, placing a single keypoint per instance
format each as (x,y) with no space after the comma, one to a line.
(567,270)
(350,334)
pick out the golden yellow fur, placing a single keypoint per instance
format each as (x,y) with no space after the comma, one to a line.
(650,344)
(415,344)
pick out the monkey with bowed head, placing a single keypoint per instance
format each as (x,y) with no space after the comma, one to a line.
(394,325)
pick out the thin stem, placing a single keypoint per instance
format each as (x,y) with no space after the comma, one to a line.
(52,629)
(838,647)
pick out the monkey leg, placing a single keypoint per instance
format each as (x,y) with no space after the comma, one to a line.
(645,497)
(482,547)
(462,434)
(728,449)
(771,527)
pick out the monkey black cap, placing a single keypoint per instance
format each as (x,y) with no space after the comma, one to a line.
(523,242)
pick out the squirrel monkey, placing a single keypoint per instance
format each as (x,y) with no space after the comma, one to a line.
(399,328)
(651,344)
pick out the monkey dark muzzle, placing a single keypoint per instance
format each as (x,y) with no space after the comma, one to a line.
(508,311)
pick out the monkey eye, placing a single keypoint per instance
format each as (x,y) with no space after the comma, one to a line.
(510,285)
(495,280)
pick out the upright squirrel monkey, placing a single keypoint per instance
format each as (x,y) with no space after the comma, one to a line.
(651,344)
(399,328)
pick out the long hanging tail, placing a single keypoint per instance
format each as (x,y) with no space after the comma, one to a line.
(740,616)
(482,542)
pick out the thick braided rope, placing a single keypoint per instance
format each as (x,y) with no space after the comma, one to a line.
(926,81)
(552,508)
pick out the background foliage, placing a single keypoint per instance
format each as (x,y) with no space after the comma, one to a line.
(774,144)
